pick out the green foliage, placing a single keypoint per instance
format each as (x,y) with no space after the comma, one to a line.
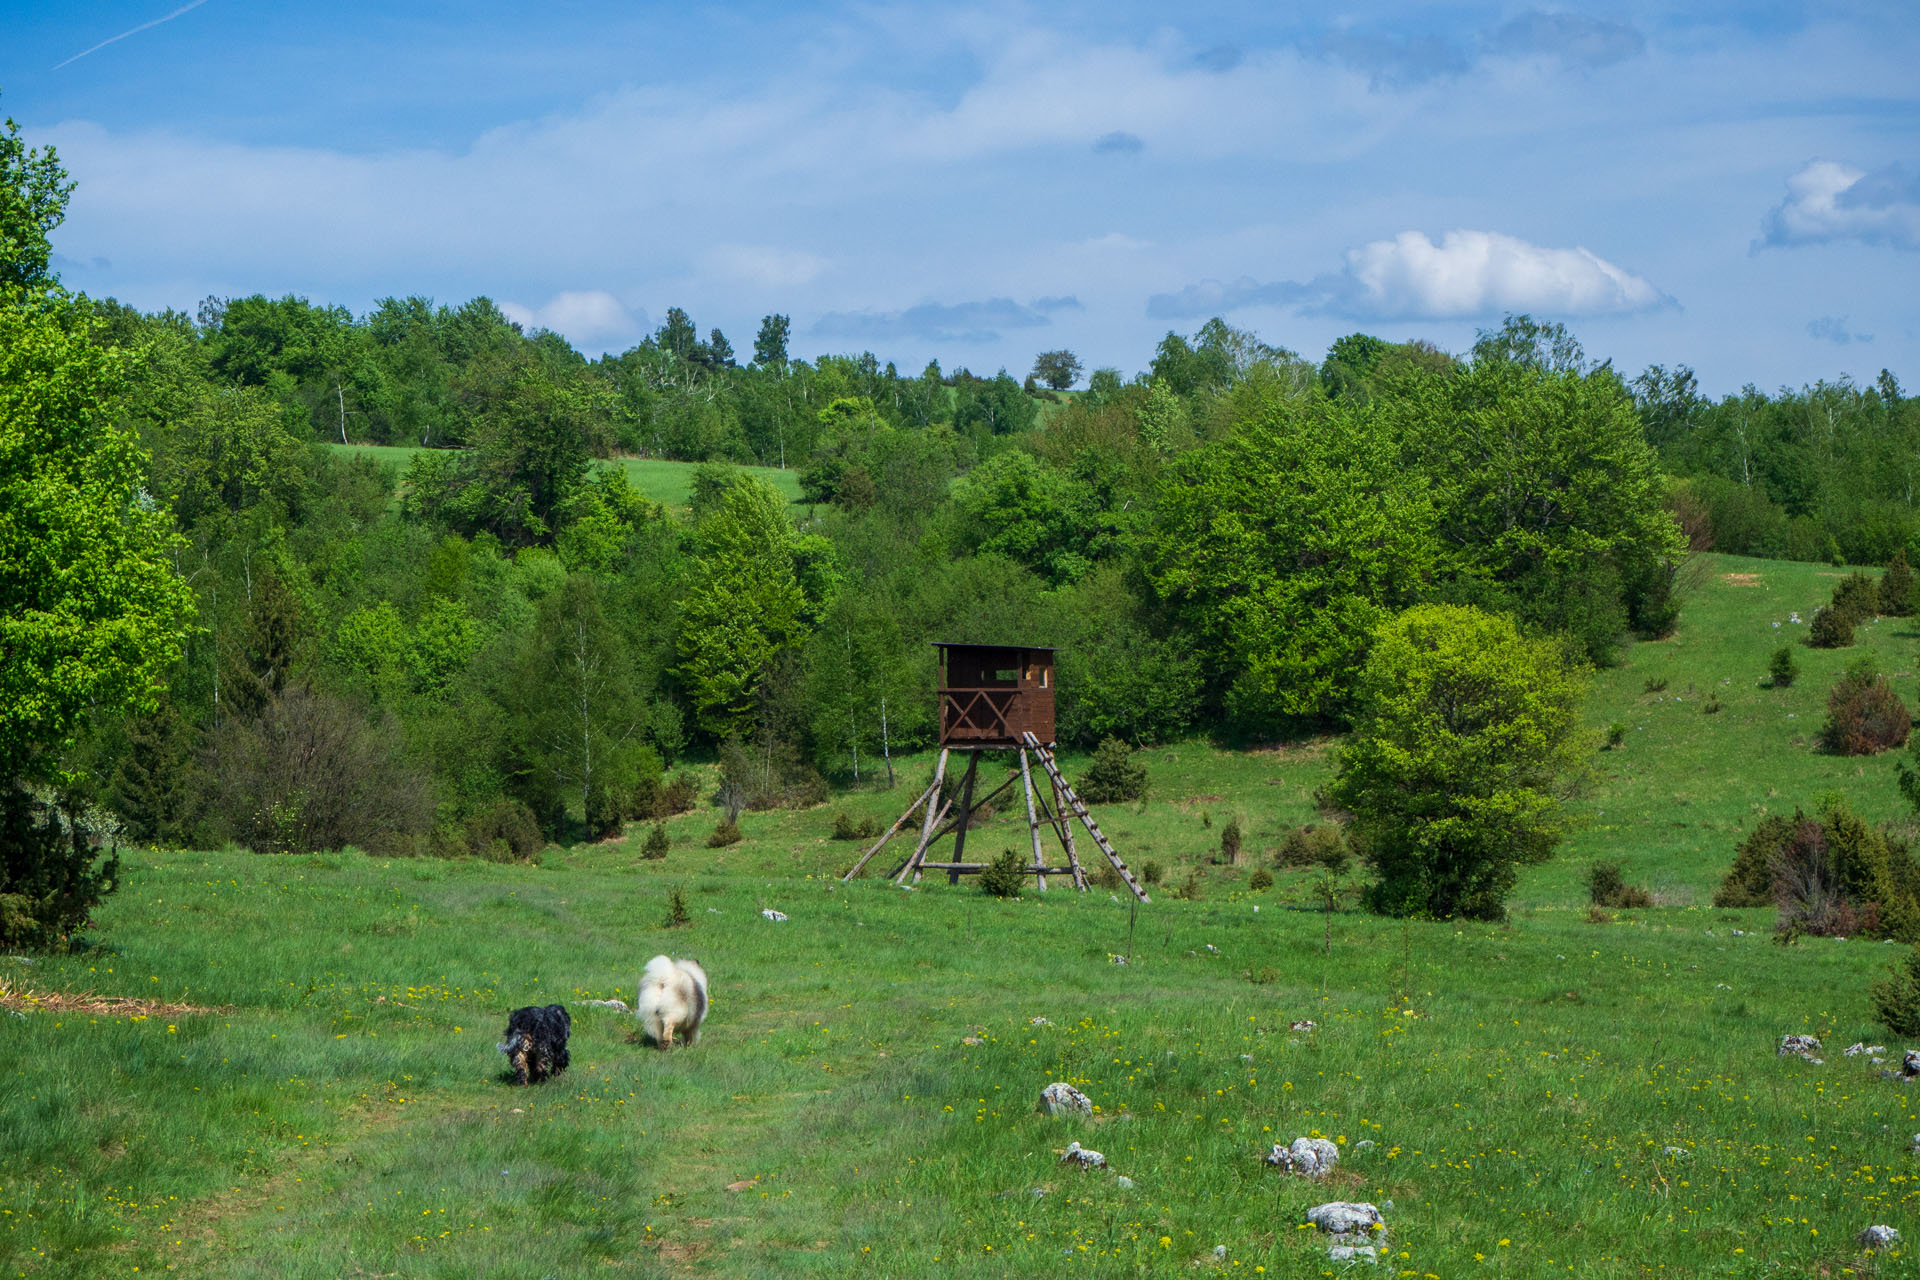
(745,607)
(1830,629)
(1782,670)
(51,878)
(1467,740)
(1896,587)
(1005,876)
(1856,598)
(677,916)
(1616,736)
(1113,776)
(1896,997)
(1151,872)
(1832,875)
(725,832)
(1864,715)
(1322,844)
(848,827)
(682,790)
(504,831)
(1058,369)
(1230,840)
(1606,887)
(1279,550)
(1261,880)
(656,844)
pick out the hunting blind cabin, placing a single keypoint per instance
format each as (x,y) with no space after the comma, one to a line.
(996,698)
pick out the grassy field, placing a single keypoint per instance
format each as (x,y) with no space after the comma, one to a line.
(312,1089)
(665,482)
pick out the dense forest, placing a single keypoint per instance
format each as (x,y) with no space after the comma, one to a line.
(504,641)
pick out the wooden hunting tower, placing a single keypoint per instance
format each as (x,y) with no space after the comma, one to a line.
(992,696)
(996,697)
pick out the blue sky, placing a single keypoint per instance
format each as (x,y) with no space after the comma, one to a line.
(1731,186)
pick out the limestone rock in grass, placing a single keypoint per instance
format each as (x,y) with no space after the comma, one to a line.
(1913,1148)
(1799,1047)
(1877,1238)
(771,914)
(1123,1182)
(1346,1218)
(1219,1253)
(1039,1022)
(621,1005)
(1062,1099)
(1678,1153)
(1076,1154)
(1365,1144)
(1859,1047)
(1305,1024)
(1307,1157)
(1353,1253)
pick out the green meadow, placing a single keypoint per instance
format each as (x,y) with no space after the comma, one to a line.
(668,483)
(313,1087)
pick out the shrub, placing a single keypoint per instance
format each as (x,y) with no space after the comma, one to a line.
(1711,706)
(677,914)
(1616,736)
(1316,845)
(504,831)
(1896,997)
(1896,587)
(1654,684)
(679,795)
(1864,715)
(1191,890)
(1261,880)
(847,827)
(726,832)
(1856,597)
(1783,670)
(1832,875)
(605,810)
(1152,872)
(1113,776)
(1230,842)
(1467,738)
(50,875)
(657,843)
(1004,877)
(1606,887)
(1830,629)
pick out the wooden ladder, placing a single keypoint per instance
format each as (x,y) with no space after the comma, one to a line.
(1078,808)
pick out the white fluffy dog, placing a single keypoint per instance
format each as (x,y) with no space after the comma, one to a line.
(671,1002)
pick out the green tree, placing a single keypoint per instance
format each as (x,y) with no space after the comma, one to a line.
(745,607)
(92,612)
(1058,369)
(770,344)
(1467,740)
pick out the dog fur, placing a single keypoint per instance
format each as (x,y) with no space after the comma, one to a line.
(536,1042)
(671,1002)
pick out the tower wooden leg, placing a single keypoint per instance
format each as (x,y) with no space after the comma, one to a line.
(1033,824)
(933,816)
(966,815)
(1066,838)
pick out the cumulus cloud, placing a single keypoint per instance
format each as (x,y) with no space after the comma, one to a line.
(587,318)
(1119,143)
(1468,274)
(1397,60)
(1115,240)
(1572,38)
(945,322)
(1834,329)
(1221,57)
(1829,201)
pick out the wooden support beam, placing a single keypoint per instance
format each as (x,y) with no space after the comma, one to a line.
(1033,825)
(881,843)
(926,832)
(966,813)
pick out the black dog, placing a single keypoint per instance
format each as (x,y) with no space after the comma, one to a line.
(536,1043)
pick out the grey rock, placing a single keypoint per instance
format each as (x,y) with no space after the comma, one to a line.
(1913,1148)
(621,1005)
(1678,1153)
(771,914)
(1078,1155)
(1062,1099)
(1365,1144)
(1799,1047)
(1353,1253)
(1219,1253)
(1305,1024)
(1859,1047)
(1877,1238)
(1307,1157)
(1345,1217)
(1123,1182)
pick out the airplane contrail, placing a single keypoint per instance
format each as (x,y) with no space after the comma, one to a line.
(194,4)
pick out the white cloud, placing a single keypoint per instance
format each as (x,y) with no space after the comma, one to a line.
(1830,201)
(1115,240)
(773,268)
(588,318)
(1469,274)
(1476,273)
